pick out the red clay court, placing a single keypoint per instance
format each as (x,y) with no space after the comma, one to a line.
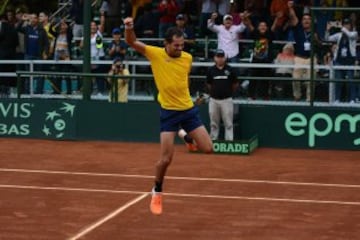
(100,190)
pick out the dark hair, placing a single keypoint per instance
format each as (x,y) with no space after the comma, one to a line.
(171,32)
(263,20)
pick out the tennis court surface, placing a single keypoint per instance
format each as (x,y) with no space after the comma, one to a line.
(100,190)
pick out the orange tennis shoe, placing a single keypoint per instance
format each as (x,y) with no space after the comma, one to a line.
(191,147)
(156,203)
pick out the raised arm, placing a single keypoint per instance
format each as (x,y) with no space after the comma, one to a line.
(293,19)
(331,38)
(246,21)
(351,34)
(211,23)
(130,37)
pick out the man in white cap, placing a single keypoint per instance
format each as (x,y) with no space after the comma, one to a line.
(228,35)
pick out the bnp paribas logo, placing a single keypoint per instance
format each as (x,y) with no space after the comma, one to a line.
(56,121)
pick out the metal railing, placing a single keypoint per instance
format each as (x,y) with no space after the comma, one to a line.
(137,92)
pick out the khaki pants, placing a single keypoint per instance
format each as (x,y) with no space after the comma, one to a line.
(221,109)
(301,73)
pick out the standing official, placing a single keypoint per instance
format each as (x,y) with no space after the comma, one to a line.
(222,83)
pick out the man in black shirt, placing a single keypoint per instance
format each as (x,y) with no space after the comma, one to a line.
(222,83)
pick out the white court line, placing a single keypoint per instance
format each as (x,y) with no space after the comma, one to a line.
(111,215)
(289,200)
(94,174)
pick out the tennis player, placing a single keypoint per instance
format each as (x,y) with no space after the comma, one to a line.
(171,67)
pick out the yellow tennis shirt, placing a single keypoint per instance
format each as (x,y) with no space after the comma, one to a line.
(171,78)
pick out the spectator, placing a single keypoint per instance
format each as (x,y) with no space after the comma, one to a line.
(189,37)
(97,53)
(122,89)
(20,49)
(222,82)
(227,35)
(222,7)
(262,53)
(44,21)
(302,35)
(302,7)
(337,15)
(62,50)
(146,26)
(8,44)
(117,47)
(168,9)
(328,60)
(10,16)
(77,15)
(322,18)
(344,54)
(279,11)
(135,8)
(191,11)
(285,57)
(235,13)
(207,8)
(36,45)
(110,15)
(355,20)
(256,9)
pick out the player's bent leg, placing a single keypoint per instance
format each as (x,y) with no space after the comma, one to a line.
(202,139)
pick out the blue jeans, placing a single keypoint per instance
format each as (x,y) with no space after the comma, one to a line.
(351,89)
(39,86)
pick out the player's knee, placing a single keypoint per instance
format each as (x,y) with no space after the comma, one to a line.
(165,161)
(208,149)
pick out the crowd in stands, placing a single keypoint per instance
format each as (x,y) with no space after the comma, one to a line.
(279,30)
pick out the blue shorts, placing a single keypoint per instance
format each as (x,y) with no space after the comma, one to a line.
(173,120)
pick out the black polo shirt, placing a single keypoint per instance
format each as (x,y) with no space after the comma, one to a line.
(221,81)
